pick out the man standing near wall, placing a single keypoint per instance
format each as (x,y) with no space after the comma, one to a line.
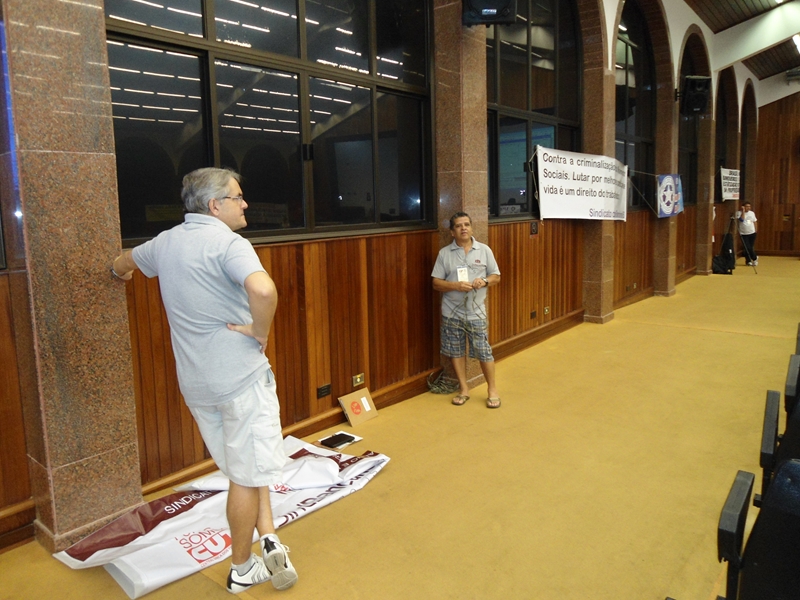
(220,303)
(463,271)
(747,230)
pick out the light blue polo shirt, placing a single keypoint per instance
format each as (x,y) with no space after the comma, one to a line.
(479,262)
(201,267)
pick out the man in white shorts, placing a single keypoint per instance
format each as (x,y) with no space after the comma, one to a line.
(220,303)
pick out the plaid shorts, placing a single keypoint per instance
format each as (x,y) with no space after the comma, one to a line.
(454,334)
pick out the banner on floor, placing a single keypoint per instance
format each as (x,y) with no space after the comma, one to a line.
(670,195)
(180,534)
(730,183)
(581,186)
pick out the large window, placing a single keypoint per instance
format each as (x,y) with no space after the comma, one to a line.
(635,106)
(323,107)
(533,89)
(687,141)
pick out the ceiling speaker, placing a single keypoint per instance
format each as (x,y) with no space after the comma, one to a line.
(489,12)
(694,97)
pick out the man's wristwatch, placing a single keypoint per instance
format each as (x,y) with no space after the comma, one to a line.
(485,280)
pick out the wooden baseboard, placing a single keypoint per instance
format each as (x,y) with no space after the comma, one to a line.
(536,336)
(16,523)
(633,298)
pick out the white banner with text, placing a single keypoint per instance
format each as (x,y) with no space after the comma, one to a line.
(581,186)
(730,183)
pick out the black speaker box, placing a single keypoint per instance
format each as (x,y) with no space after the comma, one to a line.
(694,97)
(489,12)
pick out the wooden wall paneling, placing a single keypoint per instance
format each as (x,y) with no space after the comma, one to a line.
(317,325)
(347,281)
(363,349)
(777,170)
(14,478)
(421,353)
(538,271)
(287,348)
(686,243)
(139,316)
(161,358)
(168,437)
(388,277)
(633,255)
(137,375)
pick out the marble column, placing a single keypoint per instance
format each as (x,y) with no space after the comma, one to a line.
(665,254)
(706,144)
(460,122)
(61,223)
(598,236)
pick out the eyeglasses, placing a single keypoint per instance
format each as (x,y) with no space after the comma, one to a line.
(238,198)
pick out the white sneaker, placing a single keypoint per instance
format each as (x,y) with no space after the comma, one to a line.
(276,559)
(258,573)
(755,263)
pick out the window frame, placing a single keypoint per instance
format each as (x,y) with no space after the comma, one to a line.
(208,49)
(497,111)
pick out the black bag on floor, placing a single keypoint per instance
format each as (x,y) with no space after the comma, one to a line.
(725,262)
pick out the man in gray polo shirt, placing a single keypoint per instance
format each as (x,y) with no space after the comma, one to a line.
(220,303)
(463,271)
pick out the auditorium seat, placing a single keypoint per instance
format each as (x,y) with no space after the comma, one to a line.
(769,568)
(792,380)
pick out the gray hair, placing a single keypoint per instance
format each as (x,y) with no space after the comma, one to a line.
(458,215)
(201,185)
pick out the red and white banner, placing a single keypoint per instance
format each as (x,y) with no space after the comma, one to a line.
(180,534)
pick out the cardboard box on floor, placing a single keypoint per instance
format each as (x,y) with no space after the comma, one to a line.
(358,407)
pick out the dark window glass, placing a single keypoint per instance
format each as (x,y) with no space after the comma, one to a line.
(567,138)
(269,26)
(635,105)
(687,143)
(179,16)
(543,57)
(568,65)
(491,67)
(513,47)
(539,72)
(491,138)
(341,129)
(512,178)
(625,88)
(355,152)
(399,157)
(687,167)
(159,132)
(259,119)
(400,35)
(337,33)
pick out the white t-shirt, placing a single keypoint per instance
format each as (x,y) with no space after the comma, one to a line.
(747,223)
(201,267)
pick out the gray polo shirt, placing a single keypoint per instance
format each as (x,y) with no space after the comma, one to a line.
(201,267)
(479,262)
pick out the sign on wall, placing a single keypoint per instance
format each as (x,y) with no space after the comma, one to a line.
(573,185)
(670,195)
(730,183)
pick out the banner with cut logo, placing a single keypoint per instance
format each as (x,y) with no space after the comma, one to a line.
(181,533)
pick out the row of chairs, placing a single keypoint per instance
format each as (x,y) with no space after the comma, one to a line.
(769,566)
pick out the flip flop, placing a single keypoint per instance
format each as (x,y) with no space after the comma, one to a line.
(493,403)
(460,399)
